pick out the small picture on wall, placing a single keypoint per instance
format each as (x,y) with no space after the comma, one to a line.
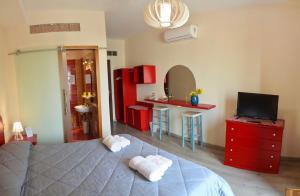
(28,131)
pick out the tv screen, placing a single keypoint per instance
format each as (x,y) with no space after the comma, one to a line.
(259,106)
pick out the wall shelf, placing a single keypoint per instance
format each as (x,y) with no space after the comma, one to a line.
(181,103)
(144,74)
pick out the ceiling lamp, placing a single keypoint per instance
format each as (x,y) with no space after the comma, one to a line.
(166,14)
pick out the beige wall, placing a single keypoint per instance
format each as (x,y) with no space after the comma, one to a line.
(254,49)
(92,32)
(8,91)
(116,62)
(280,60)
(119,46)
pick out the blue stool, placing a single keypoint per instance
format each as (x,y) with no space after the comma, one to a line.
(193,117)
(161,110)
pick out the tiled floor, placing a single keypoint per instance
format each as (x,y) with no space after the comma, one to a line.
(78,135)
(243,182)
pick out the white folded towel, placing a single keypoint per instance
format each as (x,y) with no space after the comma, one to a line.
(133,163)
(147,168)
(152,167)
(112,143)
(123,141)
(115,143)
(162,162)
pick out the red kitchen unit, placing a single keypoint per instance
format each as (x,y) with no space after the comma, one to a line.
(254,144)
(138,117)
(125,92)
(145,74)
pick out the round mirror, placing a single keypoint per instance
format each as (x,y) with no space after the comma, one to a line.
(179,82)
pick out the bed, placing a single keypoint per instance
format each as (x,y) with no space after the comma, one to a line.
(89,168)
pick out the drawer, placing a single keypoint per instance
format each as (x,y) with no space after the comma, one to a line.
(252,153)
(252,164)
(254,143)
(255,131)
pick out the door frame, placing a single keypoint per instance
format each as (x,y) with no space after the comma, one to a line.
(110,92)
(63,81)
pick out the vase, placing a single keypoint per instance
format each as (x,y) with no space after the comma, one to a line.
(194,100)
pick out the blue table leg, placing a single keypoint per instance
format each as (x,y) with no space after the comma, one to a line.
(160,125)
(152,128)
(182,130)
(192,134)
(199,130)
(202,132)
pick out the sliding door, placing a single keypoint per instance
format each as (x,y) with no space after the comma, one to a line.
(40,98)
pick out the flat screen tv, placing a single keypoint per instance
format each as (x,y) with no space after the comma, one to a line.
(258,106)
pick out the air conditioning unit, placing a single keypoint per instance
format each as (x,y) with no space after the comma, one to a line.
(186,32)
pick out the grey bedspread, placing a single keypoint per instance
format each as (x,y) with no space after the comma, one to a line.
(89,168)
(13,167)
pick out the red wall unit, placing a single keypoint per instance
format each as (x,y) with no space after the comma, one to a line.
(125,92)
(149,106)
(138,117)
(145,74)
(253,146)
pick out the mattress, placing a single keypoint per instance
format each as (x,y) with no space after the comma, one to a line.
(88,168)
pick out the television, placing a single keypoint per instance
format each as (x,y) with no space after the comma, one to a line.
(258,106)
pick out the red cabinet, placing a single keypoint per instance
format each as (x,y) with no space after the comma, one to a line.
(145,74)
(138,117)
(253,146)
(125,92)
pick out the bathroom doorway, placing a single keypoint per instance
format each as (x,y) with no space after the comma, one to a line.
(80,82)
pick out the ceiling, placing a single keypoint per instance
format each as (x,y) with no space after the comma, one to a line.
(124,18)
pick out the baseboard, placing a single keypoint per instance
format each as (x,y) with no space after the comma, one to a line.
(292,159)
(212,146)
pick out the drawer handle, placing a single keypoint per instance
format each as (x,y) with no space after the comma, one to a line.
(230,159)
(270,166)
(272,157)
(232,129)
(273,145)
(274,134)
(231,139)
(231,150)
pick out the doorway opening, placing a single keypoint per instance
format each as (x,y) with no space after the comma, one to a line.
(80,82)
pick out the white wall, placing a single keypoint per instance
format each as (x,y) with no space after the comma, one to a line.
(254,49)
(8,91)
(92,33)
(116,62)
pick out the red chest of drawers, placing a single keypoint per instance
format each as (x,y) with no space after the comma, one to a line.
(253,146)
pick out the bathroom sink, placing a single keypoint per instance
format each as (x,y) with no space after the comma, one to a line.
(82,108)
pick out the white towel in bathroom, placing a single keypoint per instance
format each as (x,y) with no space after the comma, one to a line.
(153,167)
(147,168)
(112,143)
(123,141)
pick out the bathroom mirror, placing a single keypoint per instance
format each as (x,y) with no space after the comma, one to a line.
(179,82)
